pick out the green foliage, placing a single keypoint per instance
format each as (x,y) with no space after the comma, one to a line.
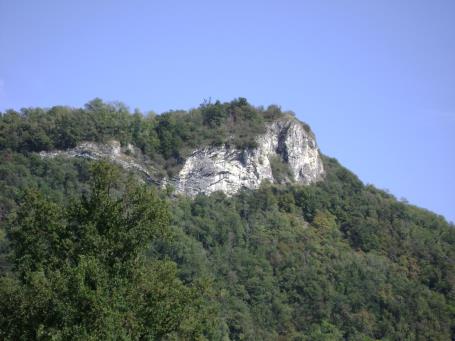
(336,260)
(166,138)
(280,275)
(280,170)
(80,271)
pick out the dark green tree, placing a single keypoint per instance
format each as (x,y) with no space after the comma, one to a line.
(80,272)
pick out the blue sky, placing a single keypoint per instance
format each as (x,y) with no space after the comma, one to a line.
(374,79)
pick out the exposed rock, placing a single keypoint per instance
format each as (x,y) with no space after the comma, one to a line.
(127,157)
(222,168)
(228,169)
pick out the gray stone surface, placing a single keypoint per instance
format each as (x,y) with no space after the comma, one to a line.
(228,170)
(223,168)
(111,151)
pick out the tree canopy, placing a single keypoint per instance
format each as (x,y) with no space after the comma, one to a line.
(80,272)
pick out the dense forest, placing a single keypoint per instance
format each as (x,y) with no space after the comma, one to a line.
(88,251)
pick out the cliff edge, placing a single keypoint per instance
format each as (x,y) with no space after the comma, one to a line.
(227,169)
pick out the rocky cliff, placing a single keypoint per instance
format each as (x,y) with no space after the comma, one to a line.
(228,169)
(224,168)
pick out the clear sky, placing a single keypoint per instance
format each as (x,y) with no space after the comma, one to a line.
(374,79)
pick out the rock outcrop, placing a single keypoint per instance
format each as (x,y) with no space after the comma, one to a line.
(228,169)
(127,157)
(223,168)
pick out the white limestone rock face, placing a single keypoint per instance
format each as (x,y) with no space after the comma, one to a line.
(228,169)
(221,168)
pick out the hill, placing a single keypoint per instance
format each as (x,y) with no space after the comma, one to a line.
(292,245)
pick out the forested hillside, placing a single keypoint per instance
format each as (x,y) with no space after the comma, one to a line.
(335,260)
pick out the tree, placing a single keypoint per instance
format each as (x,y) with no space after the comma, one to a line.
(80,272)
